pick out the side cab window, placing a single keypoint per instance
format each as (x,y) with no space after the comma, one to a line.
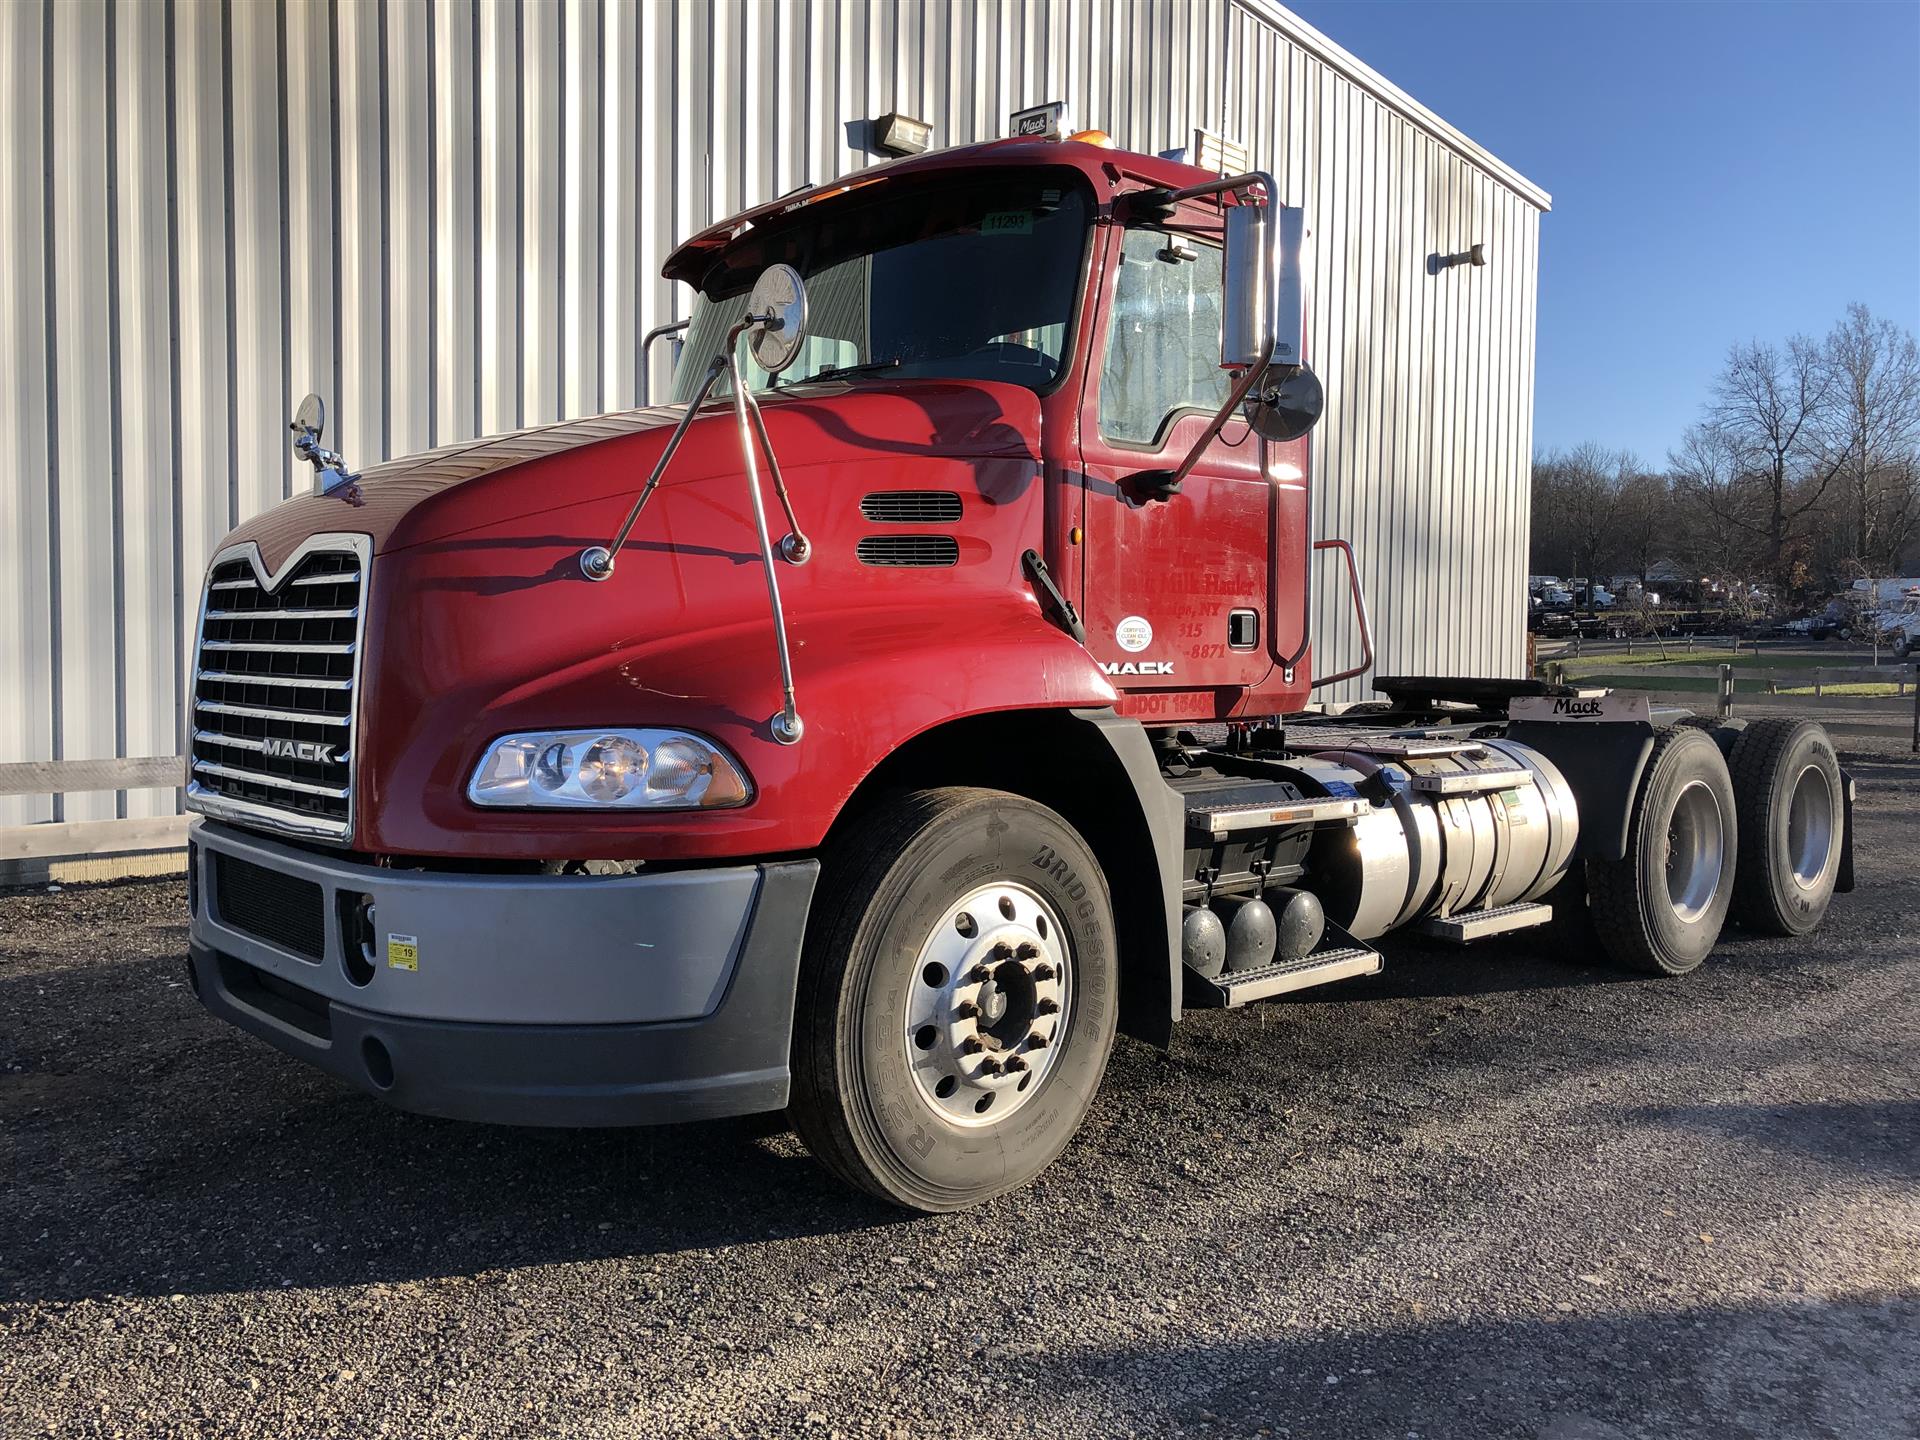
(1163,338)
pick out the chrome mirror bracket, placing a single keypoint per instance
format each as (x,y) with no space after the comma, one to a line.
(597,561)
(776,320)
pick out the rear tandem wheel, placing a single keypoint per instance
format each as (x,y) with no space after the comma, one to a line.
(1660,909)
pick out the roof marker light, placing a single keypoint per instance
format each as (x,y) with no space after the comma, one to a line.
(1039,122)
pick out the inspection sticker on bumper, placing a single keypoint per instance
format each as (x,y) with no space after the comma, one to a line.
(403,952)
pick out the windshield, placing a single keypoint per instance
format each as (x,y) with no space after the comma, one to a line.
(968,280)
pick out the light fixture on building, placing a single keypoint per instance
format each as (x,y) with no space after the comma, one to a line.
(1473,255)
(1213,151)
(1039,122)
(897,134)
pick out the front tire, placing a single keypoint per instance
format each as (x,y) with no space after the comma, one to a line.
(958,998)
(1660,909)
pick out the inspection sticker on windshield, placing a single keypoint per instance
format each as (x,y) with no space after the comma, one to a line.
(403,952)
(1007,222)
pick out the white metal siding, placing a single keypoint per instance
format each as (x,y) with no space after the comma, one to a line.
(449,217)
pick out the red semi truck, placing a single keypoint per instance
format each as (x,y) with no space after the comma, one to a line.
(539,783)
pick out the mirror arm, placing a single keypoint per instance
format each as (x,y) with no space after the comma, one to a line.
(672,327)
(794,546)
(596,561)
(1164,484)
(786,725)
(1161,484)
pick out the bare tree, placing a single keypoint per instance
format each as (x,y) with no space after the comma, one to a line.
(1576,506)
(1774,419)
(1875,367)
(1644,520)
(1708,499)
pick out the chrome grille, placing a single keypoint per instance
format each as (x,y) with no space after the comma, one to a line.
(274,688)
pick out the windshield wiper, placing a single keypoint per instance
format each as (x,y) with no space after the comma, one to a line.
(865,367)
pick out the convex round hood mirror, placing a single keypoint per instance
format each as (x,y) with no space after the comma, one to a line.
(310,416)
(780,295)
(1286,404)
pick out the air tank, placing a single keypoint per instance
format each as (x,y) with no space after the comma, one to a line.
(1464,826)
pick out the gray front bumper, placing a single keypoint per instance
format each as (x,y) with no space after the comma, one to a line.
(530,1000)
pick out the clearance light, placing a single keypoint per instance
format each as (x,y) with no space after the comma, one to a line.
(1094,137)
(899,134)
(607,770)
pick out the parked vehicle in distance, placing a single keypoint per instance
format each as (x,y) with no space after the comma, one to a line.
(537,781)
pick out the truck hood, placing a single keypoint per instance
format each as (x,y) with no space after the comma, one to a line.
(603,460)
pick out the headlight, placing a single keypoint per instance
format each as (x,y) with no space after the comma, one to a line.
(607,770)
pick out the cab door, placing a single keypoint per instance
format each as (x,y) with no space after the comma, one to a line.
(1175,591)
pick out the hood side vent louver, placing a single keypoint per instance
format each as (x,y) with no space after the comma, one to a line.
(911,507)
(910,551)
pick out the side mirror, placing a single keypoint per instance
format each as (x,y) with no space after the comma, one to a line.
(310,417)
(1246,306)
(1263,296)
(777,313)
(1263,287)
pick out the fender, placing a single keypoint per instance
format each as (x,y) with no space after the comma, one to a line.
(1147,1014)
(1602,765)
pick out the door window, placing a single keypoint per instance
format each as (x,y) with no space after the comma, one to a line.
(1163,340)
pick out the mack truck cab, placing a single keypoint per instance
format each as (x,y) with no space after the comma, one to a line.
(918,698)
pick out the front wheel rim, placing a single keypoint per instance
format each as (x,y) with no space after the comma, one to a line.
(988,1005)
(1696,851)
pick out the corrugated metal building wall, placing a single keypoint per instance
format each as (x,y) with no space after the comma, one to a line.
(450,217)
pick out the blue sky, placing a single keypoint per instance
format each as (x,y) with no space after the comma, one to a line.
(1719,172)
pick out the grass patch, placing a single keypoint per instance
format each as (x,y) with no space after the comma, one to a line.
(1655,683)
(1617,659)
(1870,689)
(1664,684)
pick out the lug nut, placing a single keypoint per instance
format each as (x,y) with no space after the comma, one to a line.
(966,1009)
(1036,1041)
(980,974)
(990,1066)
(1048,1007)
(1015,1064)
(1043,971)
(1002,951)
(1026,951)
(971,1045)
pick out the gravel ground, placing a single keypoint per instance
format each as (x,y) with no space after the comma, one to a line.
(1486,1193)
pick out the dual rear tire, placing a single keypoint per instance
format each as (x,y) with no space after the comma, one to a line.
(1753,835)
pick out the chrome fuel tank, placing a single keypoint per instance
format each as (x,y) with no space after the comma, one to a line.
(1456,826)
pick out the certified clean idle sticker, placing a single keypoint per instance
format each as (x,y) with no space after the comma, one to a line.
(403,952)
(1134,634)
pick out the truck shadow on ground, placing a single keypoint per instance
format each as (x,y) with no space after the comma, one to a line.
(1828,1367)
(1872,1138)
(259,1177)
(155,1152)
(149,1150)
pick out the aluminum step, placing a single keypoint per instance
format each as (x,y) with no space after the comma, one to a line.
(1323,967)
(1472,782)
(1313,739)
(1220,821)
(1481,924)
